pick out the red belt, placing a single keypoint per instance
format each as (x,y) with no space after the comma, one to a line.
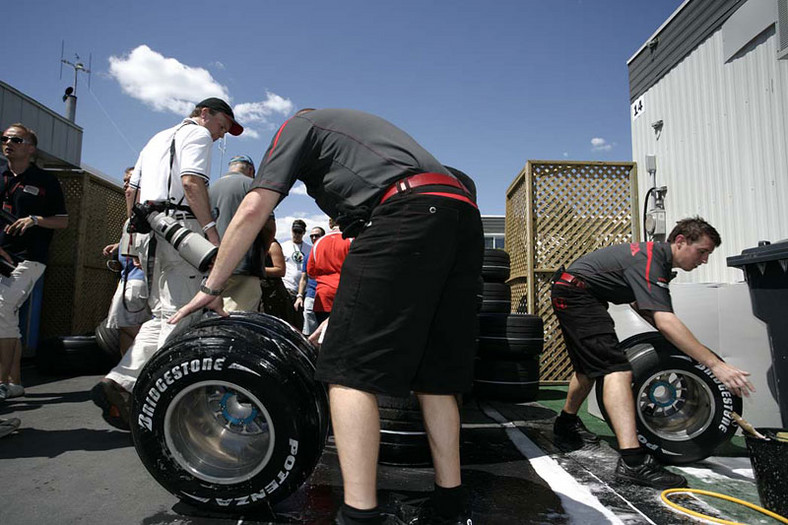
(428,179)
(568,278)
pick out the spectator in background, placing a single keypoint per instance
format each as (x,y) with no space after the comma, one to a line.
(325,265)
(35,198)
(306,288)
(276,300)
(295,251)
(129,306)
(243,291)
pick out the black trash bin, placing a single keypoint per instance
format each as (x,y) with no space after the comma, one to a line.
(765,269)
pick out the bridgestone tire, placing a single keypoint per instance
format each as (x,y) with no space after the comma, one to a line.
(403,439)
(510,336)
(496,298)
(496,265)
(513,381)
(683,411)
(227,416)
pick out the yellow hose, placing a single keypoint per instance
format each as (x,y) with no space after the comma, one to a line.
(679,508)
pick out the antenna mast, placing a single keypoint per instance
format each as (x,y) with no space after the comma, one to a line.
(70,96)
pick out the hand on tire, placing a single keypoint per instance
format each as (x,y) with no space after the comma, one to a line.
(734,378)
(199,301)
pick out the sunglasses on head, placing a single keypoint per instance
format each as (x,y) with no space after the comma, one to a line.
(14,140)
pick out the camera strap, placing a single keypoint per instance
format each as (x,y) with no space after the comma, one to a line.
(172,160)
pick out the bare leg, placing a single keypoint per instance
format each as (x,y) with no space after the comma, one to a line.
(356,423)
(620,407)
(442,421)
(579,387)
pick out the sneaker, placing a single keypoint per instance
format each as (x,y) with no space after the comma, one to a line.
(10,390)
(8,426)
(114,402)
(649,474)
(427,515)
(571,431)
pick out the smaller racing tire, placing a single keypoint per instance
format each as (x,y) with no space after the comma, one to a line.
(683,412)
(507,380)
(510,336)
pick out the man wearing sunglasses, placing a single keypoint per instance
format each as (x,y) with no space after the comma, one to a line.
(35,199)
(295,251)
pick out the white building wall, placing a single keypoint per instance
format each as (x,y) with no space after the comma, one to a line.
(723,147)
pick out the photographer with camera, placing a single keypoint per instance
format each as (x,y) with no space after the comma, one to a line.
(170,188)
(32,207)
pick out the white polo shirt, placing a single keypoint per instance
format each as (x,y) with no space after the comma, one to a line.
(193,146)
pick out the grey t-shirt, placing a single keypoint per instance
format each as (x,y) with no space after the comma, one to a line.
(346,159)
(226,195)
(640,271)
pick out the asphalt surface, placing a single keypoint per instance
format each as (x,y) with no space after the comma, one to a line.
(66,465)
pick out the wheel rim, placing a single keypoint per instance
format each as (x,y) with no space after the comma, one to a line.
(219,432)
(675,405)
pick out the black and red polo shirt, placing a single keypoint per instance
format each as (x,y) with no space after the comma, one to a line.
(625,273)
(32,192)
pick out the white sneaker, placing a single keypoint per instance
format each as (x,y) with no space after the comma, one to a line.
(10,390)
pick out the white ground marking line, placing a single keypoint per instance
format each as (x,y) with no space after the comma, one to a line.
(575,498)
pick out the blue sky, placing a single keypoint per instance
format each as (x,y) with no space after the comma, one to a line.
(484,86)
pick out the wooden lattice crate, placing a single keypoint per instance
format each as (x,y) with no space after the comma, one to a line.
(557,211)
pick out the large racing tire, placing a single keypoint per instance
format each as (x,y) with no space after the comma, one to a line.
(510,336)
(227,416)
(495,266)
(682,411)
(503,380)
(403,438)
(496,297)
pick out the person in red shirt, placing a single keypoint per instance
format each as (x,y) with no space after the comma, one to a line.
(324,266)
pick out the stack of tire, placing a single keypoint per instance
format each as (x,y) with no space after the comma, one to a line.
(507,363)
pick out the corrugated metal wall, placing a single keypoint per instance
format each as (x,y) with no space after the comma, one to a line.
(723,148)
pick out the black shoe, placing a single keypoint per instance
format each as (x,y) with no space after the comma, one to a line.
(427,515)
(649,474)
(114,402)
(572,432)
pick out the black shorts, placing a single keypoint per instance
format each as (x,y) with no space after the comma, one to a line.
(404,317)
(589,332)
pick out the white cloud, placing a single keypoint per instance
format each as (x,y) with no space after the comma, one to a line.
(299,189)
(600,144)
(566,154)
(163,83)
(262,113)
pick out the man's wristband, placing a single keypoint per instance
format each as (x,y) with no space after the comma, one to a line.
(210,291)
(300,296)
(34,219)
(208,226)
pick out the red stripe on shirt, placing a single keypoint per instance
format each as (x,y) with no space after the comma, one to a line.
(276,139)
(649,254)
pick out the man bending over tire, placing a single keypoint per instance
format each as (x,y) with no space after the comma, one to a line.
(639,274)
(404,317)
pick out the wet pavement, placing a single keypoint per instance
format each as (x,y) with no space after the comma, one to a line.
(65,465)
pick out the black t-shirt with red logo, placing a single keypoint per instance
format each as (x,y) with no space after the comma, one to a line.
(32,192)
(624,273)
